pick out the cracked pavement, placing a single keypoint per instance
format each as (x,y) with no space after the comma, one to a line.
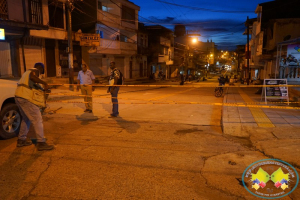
(149,152)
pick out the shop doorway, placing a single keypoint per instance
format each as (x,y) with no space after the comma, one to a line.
(50,58)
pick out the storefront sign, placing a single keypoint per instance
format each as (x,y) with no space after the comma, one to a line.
(293,54)
(2,34)
(87,39)
(276,92)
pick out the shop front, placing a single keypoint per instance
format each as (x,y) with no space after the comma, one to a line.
(289,64)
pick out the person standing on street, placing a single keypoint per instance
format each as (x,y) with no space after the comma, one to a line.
(30,97)
(116,78)
(85,80)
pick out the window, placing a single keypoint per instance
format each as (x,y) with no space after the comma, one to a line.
(100,32)
(259,16)
(56,14)
(35,12)
(128,14)
(3,10)
(105,8)
(166,51)
(124,38)
(146,41)
(99,5)
(161,50)
(102,7)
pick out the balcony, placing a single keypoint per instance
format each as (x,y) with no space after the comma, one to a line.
(143,50)
(129,25)
(165,41)
(128,48)
(109,18)
(116,47)
(165,59)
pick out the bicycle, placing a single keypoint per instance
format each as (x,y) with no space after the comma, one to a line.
(218,91)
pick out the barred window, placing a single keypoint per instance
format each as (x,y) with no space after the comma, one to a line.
(35,12)
(3,9)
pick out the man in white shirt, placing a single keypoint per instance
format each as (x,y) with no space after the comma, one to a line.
(85,80)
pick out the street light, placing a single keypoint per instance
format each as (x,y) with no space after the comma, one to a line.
(194,40)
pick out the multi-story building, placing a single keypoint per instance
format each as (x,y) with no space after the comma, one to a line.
(161,56)
(197,57)
(36,31)
(18,20)
(277,21)
(41,27)
(143,51)
(116,22)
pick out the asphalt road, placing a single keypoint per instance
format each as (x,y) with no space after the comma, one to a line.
(152,151)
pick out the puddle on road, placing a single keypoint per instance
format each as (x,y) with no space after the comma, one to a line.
(186,131)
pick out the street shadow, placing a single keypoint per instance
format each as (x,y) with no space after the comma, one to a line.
(129,126)
(86,118)
(16,168)
(107,107)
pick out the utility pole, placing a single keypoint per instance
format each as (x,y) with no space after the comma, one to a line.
(248,53)
(70,45)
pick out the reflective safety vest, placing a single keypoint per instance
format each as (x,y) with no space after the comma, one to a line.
(26,90)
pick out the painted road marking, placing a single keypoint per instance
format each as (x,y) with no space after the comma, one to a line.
(258,114)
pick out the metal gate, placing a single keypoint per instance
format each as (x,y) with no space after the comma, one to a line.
(5,60)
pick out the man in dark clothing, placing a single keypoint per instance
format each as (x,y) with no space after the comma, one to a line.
(116,78)
(222,80)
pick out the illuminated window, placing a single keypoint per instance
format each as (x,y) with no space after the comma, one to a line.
(105,8)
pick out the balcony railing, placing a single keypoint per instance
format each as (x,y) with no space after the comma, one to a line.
(109,17)
(165,41)
(116,47)
(128,46)
(109,44)
(165,59)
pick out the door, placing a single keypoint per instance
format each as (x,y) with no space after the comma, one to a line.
(50,58)
(145,69)
(5,64)
(33,54)
(141,69)
(130,69)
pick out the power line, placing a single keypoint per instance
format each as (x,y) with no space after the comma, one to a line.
(204,9)
(105,24)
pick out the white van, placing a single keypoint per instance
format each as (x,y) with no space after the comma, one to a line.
(10,117)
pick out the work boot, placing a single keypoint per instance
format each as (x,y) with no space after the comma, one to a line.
(41,146)
(21,143)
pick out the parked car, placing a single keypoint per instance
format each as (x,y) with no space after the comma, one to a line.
(10,117)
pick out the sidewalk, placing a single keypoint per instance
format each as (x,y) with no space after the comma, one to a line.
(274,132)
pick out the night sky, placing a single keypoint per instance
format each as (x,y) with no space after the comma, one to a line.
(219,20)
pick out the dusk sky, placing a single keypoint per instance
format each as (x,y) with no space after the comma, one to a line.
(219,20)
